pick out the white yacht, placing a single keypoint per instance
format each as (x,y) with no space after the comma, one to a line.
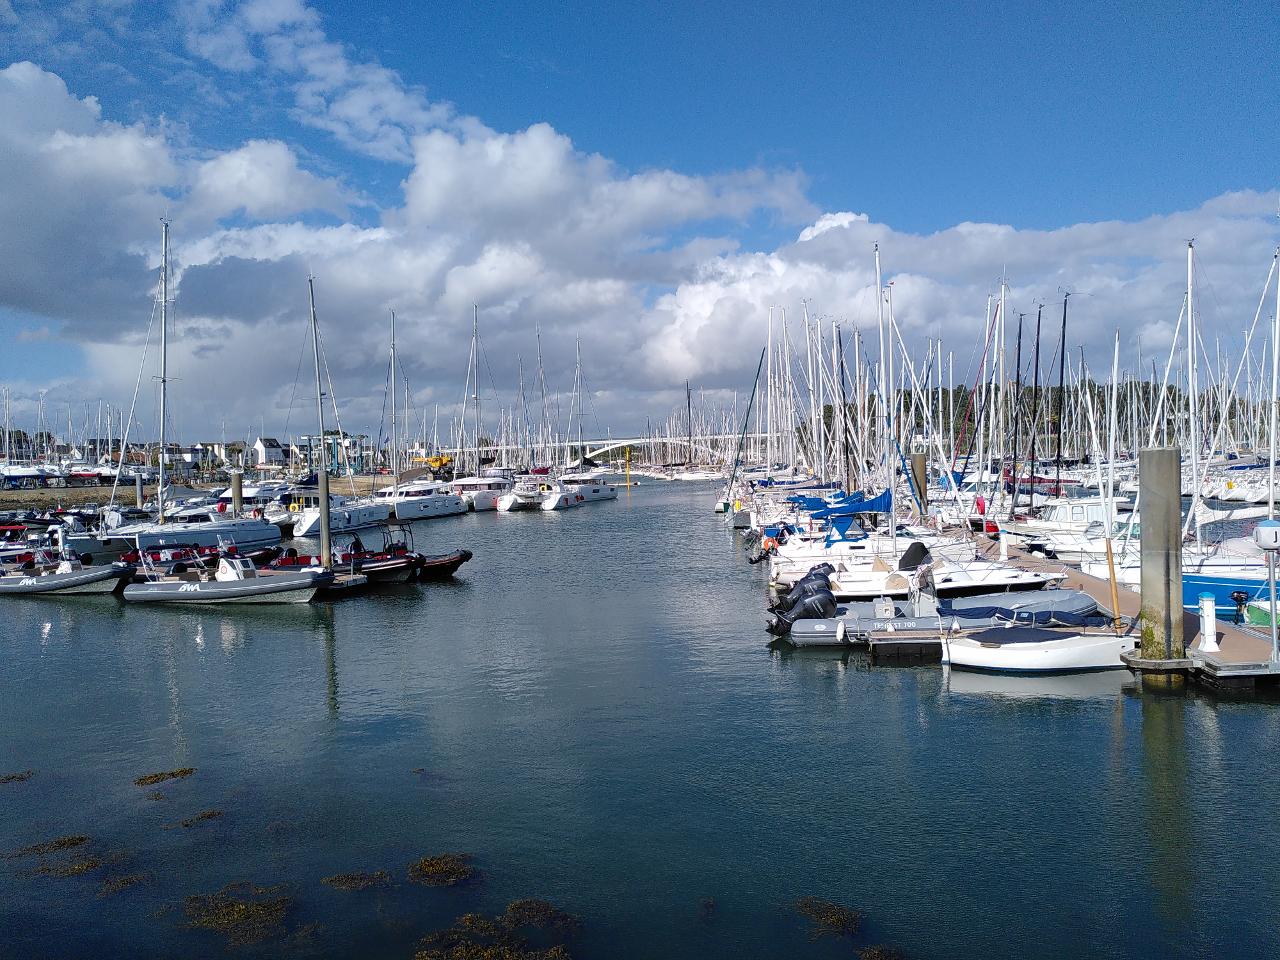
(481,493)
(539,493)
(421,500)
(200,529)
(589,487)
(345,513)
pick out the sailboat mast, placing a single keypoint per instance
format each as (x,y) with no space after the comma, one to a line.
(475,352)
(688,403)
(577,389)
(1192,398)
(395,437)
(1062,375)
(322,474)
(164,360)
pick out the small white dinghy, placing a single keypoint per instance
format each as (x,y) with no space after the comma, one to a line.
(236,580)
(1017,649)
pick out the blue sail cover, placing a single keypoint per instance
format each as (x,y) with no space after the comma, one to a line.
(838,530)
(857,503)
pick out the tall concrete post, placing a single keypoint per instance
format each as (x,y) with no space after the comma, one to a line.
(137,490)
(920,481)
(237,492)
(1160,499)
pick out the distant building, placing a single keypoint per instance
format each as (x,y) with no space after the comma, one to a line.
(268,453)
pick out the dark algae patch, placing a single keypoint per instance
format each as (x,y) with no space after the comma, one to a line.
(244,913)
(881,952)
(444,870)
(73,868)
(539,914)
(360,880)
(474,936)
(51,846)
(829,918)
(151,779)
(113,885)
(204,816)
(22,777)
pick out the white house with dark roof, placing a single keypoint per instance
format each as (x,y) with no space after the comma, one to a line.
(268,452)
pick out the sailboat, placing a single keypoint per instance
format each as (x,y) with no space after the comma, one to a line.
(202,529)
(485,488)
(419,499)
(584,485)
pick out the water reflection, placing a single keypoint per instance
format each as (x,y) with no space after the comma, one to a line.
(1166,804)
(1101,684)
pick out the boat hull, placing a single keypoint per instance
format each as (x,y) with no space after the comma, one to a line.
(425,508)
(1033,651)
(92,580)
(279,588)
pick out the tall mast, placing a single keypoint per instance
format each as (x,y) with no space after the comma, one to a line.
(688,402)
(886,386)
(577,389)
(475,352)
(395,437)
(322,474)
(164,359)
(1062,374)
(1017,415)
(1192,399)
(768,394)
(1035,405)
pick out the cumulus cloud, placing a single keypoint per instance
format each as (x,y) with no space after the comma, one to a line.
(262,180)
(646,267)
(367,107)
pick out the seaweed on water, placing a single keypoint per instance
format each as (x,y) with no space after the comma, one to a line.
(444,870)
(156,795)
(50,846)
(880,952)
(244,913)
(474,936)
(113,885)
(359,880)
(204,816)
(828,917)
(540,914)
(74,868)
(707,908)
(22,777)
(151,779)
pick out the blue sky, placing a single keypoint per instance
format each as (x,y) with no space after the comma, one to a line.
(923,116)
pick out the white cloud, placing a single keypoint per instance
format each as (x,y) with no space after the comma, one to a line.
(365,106)
(534,230)
(262,179)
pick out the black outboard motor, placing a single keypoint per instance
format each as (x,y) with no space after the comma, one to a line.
(801,589)
(819,605)
(816,579)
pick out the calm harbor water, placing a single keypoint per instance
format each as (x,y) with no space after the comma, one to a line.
(592,712)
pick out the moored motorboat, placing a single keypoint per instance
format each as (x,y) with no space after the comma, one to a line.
(235,580)
(857,621)
(46,573)
(1020,649)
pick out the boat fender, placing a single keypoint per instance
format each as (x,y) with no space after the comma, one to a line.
(86,559)
(178,567)
(291,553)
